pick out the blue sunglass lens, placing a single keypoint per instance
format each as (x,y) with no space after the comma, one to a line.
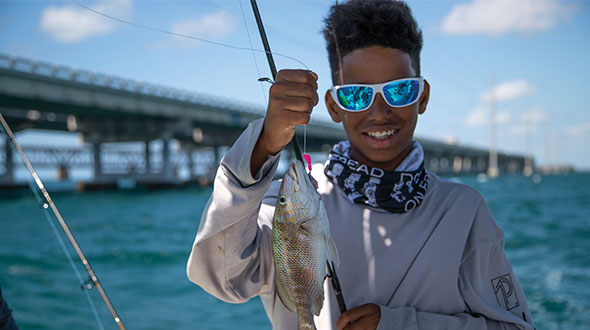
(401,93)
(355,98)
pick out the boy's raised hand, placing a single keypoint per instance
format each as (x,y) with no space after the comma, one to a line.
(292,98)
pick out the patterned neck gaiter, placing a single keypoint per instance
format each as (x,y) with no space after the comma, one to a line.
(396,191)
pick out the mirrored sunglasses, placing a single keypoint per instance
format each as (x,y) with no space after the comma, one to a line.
(397,93)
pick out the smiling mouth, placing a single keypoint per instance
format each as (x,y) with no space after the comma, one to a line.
(381,135)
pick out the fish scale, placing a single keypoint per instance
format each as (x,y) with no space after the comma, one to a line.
(301,246)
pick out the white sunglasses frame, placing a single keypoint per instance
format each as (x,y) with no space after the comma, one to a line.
(377,88)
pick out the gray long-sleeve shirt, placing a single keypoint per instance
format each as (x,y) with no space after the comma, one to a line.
(439,266)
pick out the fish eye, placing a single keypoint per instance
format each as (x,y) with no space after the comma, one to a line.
(282,201)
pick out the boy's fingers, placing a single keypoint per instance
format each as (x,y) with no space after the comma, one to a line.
(300,76)
(292,103)
(292,98)
(288,98)
(366,322)
(313,75)
(299,104)
(369,311)
(292,118)
(284,88)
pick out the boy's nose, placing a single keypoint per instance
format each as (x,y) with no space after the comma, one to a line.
(379,110)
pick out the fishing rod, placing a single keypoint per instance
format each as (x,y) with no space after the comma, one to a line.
(49,204)
(331,270)
(273,68)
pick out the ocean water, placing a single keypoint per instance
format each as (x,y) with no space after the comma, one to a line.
(138,243)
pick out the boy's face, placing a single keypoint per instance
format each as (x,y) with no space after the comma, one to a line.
(374,65)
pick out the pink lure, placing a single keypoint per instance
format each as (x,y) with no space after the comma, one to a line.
(308,160)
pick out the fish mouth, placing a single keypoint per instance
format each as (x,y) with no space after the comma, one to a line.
(297,168)
(294,168)
(291,173)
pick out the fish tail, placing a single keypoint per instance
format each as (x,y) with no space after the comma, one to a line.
(305,321)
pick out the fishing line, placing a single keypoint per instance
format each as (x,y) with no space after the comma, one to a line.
(304,139)
(273,71)
(331,270)
(253,54)
(61,242)
(266,51)
(146,27)
(49,204)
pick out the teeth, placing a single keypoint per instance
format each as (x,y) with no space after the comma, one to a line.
(381,134)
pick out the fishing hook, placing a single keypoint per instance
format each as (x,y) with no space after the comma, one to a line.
(268,80)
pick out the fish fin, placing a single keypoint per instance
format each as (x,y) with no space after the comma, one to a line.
(305,225)
(334,257)
(284,296)
(316,305)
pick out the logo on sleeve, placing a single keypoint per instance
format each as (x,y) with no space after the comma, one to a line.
(505,293)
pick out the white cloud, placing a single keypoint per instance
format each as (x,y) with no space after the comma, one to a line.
(528,121)
(508,91)
(579,130)
(536,116)
(518,130)
(73,23)
(496,17)
(216,25)
(478,117)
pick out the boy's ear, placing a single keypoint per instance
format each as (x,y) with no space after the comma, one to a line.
(423,102)
(333,109)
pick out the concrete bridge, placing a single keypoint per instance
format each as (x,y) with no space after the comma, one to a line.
(106,109)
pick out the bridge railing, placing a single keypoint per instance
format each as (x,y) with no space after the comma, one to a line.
(35,70)
(113,160)
(28,66)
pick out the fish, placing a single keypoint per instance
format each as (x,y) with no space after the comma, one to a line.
(301,245)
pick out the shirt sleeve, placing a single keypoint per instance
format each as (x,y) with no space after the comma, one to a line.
(493,296)
(230,257)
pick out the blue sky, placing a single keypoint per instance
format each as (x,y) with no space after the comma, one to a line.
(536,51)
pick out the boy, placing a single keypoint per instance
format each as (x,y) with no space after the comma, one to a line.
(416,251)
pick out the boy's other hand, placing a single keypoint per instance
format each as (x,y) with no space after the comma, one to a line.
(362,317)
(292,98)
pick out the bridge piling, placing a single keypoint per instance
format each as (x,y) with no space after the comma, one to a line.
(148,165)
(191,164)
(8,177)
(63,172)
(97,165)
(166,169)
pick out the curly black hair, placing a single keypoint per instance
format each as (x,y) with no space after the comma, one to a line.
(358,24)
